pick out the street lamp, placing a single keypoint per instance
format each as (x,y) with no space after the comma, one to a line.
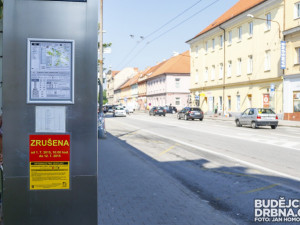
(251,16)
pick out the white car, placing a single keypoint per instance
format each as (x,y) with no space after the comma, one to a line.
(119,111)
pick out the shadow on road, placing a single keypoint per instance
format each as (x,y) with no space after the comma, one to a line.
(230,190)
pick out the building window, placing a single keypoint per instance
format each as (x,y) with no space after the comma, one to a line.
(197,52)
(250,65)
(239,67)
(250,29)
(206,74)
(221,41)
(177,101)
(230,37)
(249,97)
(229,68)
(296,97)
(221,70)
(206,46)
(229,103)
(220,104)
(197,77)
(213,44)
(268,21)
(297,10)
(268,60)
(238,103)
(213,72)
(240,32)
(177,81)
(297,59)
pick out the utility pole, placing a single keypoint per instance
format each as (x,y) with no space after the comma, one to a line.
(101,59)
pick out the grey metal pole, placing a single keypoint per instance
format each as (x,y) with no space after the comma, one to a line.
(101,59)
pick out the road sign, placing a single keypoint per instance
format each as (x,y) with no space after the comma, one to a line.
(49,159)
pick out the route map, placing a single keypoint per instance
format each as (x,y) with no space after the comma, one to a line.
(50,71)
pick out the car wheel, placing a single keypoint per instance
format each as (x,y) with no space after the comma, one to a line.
(164,114)
(273,126)
(185,117)
(178,117)
(201,119)
(253,125)
(238,123)
(192,119)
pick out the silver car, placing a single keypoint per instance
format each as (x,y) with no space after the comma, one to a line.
(119,111)
(256,117)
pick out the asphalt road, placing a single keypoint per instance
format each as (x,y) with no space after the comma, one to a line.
(227,166)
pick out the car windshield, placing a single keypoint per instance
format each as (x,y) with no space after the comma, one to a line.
(265,111)
(195,109)
(160,108)
(119,108)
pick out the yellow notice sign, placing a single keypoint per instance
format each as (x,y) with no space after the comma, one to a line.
(49,175)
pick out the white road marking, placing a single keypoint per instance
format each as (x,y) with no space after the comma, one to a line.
(252,165)
(255,137)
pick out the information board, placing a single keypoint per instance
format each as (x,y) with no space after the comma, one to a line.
(50,71)
(49,159)
(50,119)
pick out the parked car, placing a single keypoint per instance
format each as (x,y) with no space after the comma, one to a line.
(110,109)
(119,111)
(256,117)
(190,113)
(170,109)
(157,111)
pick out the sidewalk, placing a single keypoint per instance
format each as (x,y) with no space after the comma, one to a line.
(132,190)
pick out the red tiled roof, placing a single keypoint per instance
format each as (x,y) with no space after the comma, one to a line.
(177,64)
(131,81)
(240,7)
(114,73)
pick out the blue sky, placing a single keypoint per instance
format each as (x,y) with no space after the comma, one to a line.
(123,18)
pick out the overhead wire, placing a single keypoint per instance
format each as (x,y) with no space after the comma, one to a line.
(172,28)
(171,20)
(158,29)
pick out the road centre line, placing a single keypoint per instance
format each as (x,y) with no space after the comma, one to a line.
(230,136)
(252,165)
(169,149)
(261,189)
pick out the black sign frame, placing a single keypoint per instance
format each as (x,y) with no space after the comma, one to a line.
(69,0)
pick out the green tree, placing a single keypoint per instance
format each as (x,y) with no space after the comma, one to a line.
(104,97)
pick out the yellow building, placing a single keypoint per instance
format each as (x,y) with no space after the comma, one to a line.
(235,61)
(292,71)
